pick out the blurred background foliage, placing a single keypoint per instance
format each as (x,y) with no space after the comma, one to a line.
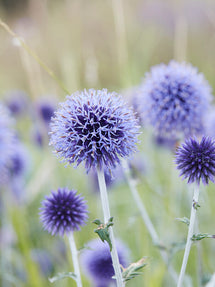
(101,44)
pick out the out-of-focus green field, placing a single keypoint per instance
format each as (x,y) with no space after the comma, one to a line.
(103,44)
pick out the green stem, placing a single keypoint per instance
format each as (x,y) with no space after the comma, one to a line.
(74,253)
(106,213)
(189,236)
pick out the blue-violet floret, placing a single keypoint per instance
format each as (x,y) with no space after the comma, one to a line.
(97,263)
(95,127)
(174,100)
(63,211)
(196,160)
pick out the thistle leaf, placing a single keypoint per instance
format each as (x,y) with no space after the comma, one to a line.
(200,236)
(132,270)
(184,220)
(63,275)
(103,232)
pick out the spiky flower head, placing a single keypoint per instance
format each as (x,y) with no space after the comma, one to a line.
(174,100)
(7,139)
(97,263)
(95,127)
(196,160)
(63,211)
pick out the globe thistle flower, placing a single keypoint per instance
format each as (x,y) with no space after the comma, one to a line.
(45,109)
(7,139)
(95,127)
(97,264)
(174,100)
(197,160)
(63,211)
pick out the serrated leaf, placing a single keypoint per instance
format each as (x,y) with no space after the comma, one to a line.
(97,221)
(200,236)
(184,220)
(63,275)
(103,232)
(132,270)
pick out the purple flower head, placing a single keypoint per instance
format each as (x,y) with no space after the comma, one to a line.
(174,100)
(17,102)
(19,160)
(7,140)
(95,127)
(63,211)
(97,263)
(37,136)
(196,161)
(46,110)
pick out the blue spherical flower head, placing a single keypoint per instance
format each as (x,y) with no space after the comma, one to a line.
(197,160)
(174,100)
(63,211)
(97,263)
(95,127)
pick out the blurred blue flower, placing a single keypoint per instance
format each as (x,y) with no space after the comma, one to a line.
(37,136)
(97,263)
(19,160)
(18,168)
(45,109)
(17,102)
(168,143)
(95,127)
(174,100)
(7,140)
(196,161)
(63,211)
(44,260)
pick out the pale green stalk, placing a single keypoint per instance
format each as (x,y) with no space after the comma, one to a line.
(106,213)
(74,253)
(189,236)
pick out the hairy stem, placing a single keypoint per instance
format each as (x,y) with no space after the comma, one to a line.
(75,258)
(106,213)
(189,236)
